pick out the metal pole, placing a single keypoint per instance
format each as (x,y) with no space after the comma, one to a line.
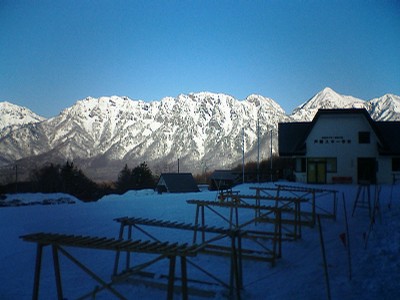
(271,152)
(328,288)
(258,150)
(347,236)
(16,178)
(243,154)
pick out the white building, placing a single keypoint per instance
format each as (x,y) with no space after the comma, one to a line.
(342,146)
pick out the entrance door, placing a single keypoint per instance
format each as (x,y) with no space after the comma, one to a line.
(316,172)
(366,170)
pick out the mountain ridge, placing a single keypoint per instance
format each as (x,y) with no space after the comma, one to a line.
(203,130)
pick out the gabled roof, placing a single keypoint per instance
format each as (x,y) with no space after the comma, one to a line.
(292,136)
(178,182)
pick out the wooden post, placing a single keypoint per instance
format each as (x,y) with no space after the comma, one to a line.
(184,278)
(328,289)
(38,267)
(235,279)
(347,236)
(57,273)
(117,254)
(128,254)
(171,277)
(196,223)
(240,263)
(203,223)
(355,202)
(257,210)
(313,208)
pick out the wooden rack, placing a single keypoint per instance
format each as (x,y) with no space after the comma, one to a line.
(234,250)
(57,241)
(306,195)
(270,213)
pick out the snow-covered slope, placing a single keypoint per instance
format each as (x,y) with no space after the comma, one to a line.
(14,116)
(385,108)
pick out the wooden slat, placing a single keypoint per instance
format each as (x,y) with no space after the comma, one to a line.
(169,224)
(91,242)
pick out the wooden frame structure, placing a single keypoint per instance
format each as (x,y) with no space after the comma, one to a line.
(305,195)
(58,241)
(266,254)
(285,214)
(234,250)
(290,210)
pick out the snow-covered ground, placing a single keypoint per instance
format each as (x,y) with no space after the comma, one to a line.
(299,274)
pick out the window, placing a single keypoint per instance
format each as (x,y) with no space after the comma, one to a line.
(396,164)
(300,165)
(364,137)
(330,163)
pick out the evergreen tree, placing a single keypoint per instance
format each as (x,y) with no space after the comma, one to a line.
(140,177)
(48,179)
(124,182)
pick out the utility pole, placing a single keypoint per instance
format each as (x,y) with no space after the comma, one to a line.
(16,178)
(271,153)
(243,154)
(258,149)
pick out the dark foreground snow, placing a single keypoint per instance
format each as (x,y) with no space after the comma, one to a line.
(299,274)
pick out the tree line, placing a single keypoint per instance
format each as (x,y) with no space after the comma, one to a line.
(69,179)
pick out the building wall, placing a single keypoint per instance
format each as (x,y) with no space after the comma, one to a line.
(385,173)
(334,136)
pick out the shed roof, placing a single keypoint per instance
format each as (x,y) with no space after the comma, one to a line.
(224,175)
(178,182)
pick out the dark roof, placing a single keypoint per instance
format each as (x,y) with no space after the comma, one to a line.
(389,133)
(292,136)
(178,182)
(224,175)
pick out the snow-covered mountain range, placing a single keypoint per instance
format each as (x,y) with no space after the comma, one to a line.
(385,108)
(203,130)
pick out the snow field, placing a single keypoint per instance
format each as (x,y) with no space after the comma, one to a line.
(299,274)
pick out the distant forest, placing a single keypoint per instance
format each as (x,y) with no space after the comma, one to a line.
(69,179)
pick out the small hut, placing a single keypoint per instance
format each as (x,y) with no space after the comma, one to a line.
(176,183)
(224,179)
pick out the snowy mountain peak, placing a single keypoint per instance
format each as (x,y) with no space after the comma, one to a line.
(386,107)
(325,99)
(14,115)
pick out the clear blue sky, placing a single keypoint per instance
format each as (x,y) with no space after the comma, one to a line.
(53,53)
